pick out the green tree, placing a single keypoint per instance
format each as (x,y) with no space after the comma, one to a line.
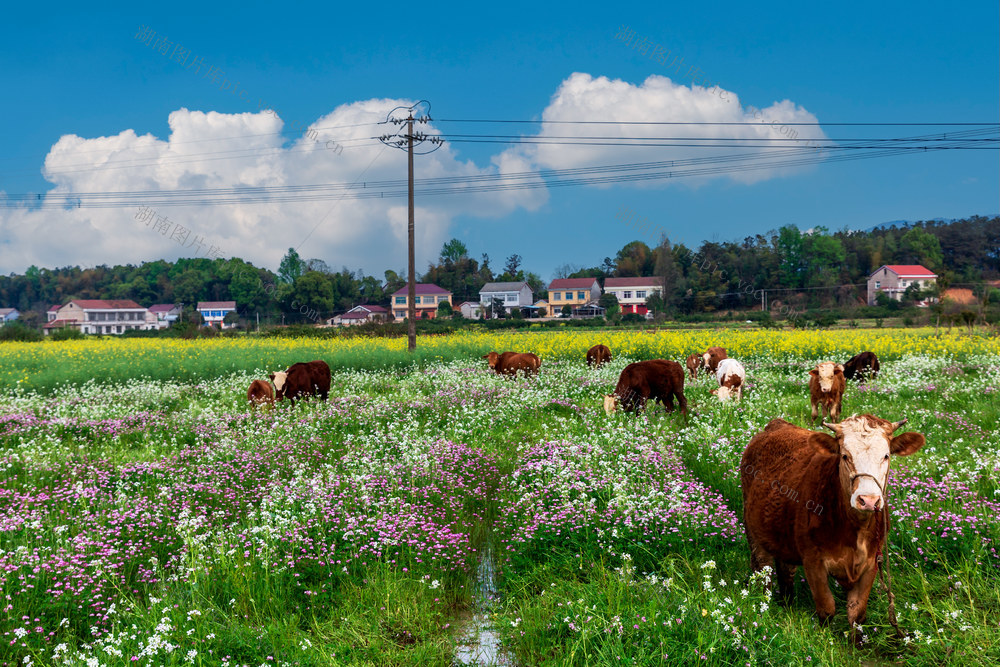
(497,310)
(291,267)
(312,296)
(453,251)
(444,309)
(917,246)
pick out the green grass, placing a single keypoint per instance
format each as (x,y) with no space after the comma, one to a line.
(261,567)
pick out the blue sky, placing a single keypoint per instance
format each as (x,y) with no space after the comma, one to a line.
(73,71)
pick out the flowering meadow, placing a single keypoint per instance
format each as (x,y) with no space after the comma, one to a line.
(149,517)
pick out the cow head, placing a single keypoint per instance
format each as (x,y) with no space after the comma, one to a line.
(863,444)
(610,403)
(826,372)
(278,379)
(724,393)
(492,359)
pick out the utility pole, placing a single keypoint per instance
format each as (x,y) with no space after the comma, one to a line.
(409,140)
(411,311)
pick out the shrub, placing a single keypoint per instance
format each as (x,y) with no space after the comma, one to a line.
(66,333)
(17,331)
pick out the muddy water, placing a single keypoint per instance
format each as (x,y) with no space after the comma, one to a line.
(478,643)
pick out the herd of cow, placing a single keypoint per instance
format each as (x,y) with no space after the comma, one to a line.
(809,498)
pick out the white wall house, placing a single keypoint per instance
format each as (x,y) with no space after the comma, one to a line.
(893,279)
(360,315)
(102,316)
(214,312)
(166,314)
(514,295)
(471,310)
(633,292)
(8,315)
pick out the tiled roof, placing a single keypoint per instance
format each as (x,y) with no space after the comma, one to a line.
(572,283)
(503,287)
(216,305)
(655,281)
(422,288)
(163,307)
(105,304)
(908,270)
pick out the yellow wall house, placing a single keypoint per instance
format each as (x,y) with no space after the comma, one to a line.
(428,298)
(572,292)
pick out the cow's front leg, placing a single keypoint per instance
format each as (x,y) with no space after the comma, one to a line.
(857,596)
(814,413)
(817,577)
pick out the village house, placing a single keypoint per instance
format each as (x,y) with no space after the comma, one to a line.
(101,316)
(633,292)
(8,315)
(893,279)
(428,297)
(166,314)
(360,315)
(515,295)
(580,294)
(214,312)
(470,310)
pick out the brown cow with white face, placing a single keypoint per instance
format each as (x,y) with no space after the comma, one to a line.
(817,500)
(302,379)
(826,389)
(711,357)
(659,379)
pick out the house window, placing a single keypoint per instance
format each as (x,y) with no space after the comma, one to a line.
(640,294)
(581,295)
(556,296)
(416,300)
(400,300)
(510,297)
(627,294)
(878,284)
(400,314)
(442,299)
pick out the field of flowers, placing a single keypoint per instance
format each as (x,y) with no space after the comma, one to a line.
(148,517)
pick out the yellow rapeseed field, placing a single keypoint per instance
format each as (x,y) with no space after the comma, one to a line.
(48,364)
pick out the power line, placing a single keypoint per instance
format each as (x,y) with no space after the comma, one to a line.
(780,157)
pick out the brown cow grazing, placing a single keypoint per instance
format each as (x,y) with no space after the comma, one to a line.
(509,363)
(598,356)
(659,379)
(819,501)
(826,389)
(693,363)
(861,366)
(302,379)
(711,357)
(260,393)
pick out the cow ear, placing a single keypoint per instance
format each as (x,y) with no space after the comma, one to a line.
(715,391)
(814,373)
(905,444)
(824,443)
(839,368)
(271,376)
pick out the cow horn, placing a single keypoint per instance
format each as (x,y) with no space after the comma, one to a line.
(896,425)
(833,427)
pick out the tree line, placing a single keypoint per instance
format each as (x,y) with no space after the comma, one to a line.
(812,269)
